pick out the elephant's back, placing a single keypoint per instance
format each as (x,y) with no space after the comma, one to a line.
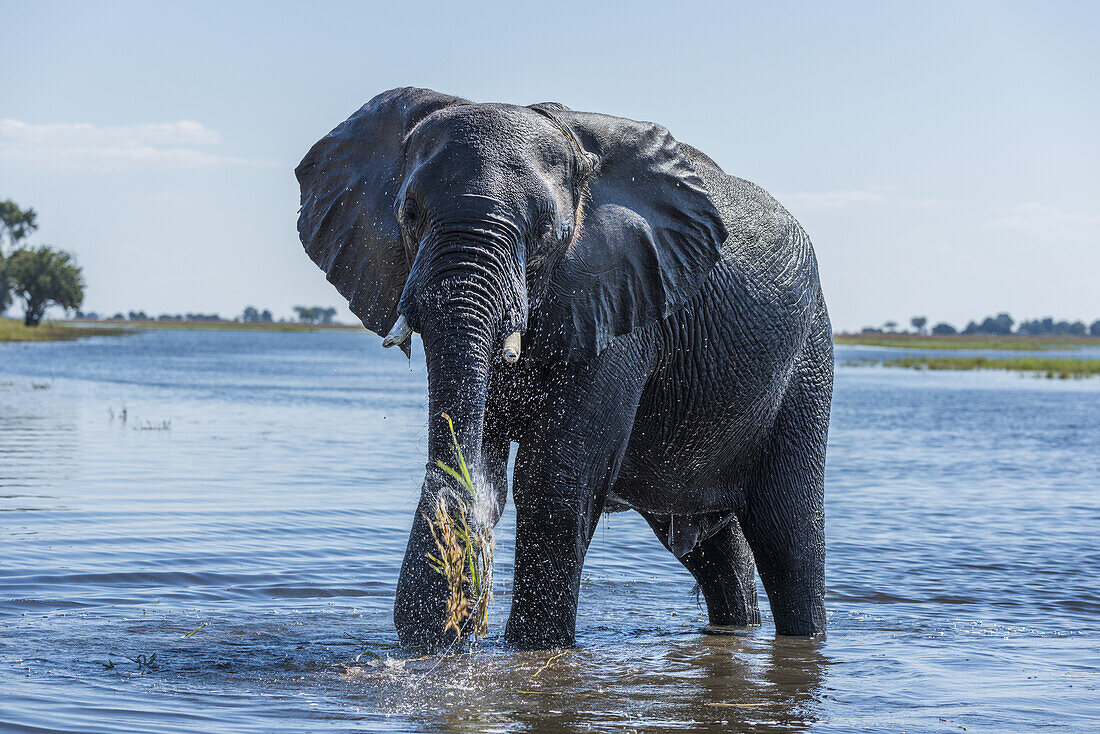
(767,278)
(765,241)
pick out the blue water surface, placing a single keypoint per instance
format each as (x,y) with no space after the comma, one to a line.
(262,484)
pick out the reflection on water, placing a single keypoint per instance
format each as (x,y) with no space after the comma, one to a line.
(262,485)
(683,683)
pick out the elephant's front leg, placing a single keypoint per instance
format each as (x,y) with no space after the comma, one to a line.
(566,464)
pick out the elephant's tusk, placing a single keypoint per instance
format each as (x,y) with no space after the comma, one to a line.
(512,348)
(398,334)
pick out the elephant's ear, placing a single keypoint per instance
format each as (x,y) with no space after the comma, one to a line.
(349,180)
(649,236)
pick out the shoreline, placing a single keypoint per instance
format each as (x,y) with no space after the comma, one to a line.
(1017,342)
(1051,368)
(220,325)
(13,331)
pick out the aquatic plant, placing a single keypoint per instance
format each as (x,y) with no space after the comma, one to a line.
(1049,367)
(1012,342)
(150,426)
(465,553)
(142,661)
(550,660)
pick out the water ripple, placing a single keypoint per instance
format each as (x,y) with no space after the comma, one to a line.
(256,489)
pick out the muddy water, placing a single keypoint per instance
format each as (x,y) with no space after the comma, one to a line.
(262,485)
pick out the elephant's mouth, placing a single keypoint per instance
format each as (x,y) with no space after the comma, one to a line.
(615,504)
(401,332)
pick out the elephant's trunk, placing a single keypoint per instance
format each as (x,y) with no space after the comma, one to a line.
(461,319)
(457,353)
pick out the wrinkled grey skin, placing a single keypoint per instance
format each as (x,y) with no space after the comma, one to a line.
(677,352)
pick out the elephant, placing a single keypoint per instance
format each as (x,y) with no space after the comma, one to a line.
(650,331)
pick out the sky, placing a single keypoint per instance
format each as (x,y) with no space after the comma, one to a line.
(941,156)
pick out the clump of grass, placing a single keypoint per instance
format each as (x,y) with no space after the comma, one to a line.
(465,554)
(151,426)
(143,662)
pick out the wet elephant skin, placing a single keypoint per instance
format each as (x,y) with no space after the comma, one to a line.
(676,352)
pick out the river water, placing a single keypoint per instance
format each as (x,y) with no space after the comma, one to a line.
(262,485)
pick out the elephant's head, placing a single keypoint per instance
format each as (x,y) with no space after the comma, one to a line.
(469,223)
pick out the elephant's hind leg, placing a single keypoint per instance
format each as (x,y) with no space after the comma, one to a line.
(784,513)
(723,568)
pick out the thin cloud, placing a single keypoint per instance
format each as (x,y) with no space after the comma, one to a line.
(1048,222)
(851,199)
(97,147)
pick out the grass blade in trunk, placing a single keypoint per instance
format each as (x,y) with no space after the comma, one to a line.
(465,557)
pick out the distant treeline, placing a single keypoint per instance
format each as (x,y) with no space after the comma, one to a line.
(999,325)
(142,316)
(250,315)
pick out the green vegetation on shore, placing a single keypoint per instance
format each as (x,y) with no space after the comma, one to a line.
(1039,366)
(12,330)
(227,325)
(968,341)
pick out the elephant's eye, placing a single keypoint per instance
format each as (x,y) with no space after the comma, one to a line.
(545,225)
(410,212)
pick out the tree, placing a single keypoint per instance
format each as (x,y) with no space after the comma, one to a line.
(1094,329)
(41,276)
(1001,324)
(944,328)
(16,223)
(998,325)
(315,314)
(5,285)
(890,326)
(1037,327)
(253,316)
(918,323)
